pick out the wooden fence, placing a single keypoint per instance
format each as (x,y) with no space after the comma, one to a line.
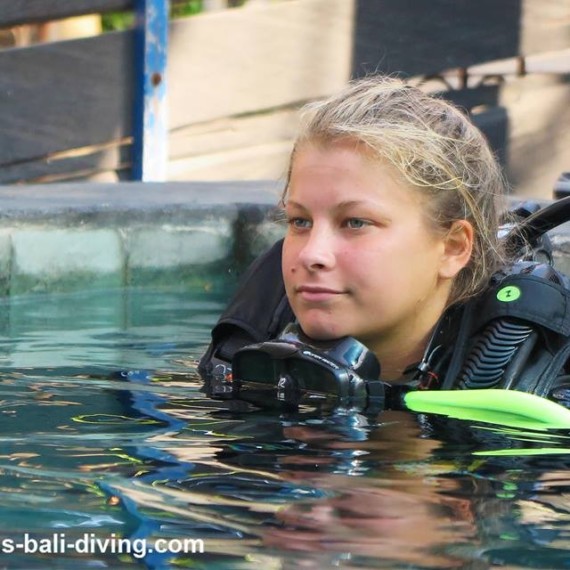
(237,77)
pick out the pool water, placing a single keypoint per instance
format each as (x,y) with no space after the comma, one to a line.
(112,456)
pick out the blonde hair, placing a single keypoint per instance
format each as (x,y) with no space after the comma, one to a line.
(435,148)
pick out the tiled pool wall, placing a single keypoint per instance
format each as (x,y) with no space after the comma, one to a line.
(76,236)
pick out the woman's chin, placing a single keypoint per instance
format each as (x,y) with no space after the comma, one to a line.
(321,331)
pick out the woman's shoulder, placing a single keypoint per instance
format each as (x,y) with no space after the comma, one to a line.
(257,311)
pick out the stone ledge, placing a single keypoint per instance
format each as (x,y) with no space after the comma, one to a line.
(142,201)
(73,236)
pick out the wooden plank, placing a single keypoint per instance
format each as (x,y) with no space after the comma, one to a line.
(417,38)
(265,56)
(539,137)
(233,133)
(545,26)
(253,162)
(65,95)
(259,146)
(15,12)
(245,148)
(103,162)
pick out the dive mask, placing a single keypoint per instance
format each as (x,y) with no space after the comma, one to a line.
(295,370)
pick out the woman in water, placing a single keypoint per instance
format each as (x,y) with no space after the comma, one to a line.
(393,202)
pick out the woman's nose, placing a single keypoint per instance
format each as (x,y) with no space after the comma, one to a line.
(318,250)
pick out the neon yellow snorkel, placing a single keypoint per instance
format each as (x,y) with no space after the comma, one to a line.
(496,406)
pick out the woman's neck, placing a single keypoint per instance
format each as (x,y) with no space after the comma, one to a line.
(394,360)
(400,348)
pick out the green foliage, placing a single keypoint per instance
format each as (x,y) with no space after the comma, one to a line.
(117,21)
(180,9)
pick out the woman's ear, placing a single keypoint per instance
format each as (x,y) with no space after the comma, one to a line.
(458,247)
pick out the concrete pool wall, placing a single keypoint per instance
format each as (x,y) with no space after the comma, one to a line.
(75,236)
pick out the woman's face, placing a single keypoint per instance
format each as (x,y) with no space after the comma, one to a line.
(359,257)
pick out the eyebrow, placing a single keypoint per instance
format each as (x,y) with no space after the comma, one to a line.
(293,203)
(339,206)
(350,203)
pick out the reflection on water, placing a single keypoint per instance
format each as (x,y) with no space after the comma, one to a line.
(106,433)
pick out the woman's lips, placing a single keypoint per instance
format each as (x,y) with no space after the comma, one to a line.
(316,294)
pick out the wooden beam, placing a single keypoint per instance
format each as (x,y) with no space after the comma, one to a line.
(65,95)
(103,162)
(259,57)
(419,38)
(414,37)
(545,26)
(151,114)
(16,12)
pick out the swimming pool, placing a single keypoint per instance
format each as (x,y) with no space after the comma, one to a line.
(113,457)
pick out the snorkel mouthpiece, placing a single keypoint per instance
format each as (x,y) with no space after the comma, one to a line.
(295,370)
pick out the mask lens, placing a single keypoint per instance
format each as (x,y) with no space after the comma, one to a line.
(312,376)
(254,366)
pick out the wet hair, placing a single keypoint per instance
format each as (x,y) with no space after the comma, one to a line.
(434,147)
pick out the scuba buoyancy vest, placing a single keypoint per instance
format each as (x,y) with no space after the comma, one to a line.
(516,335)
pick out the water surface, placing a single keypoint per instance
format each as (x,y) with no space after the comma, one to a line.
(106,433)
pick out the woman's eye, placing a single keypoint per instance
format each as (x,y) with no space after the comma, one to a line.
(299,223)
(356,223)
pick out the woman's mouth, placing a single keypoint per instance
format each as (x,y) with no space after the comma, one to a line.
(317,294)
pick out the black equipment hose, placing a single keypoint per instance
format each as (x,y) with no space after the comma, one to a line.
(537,224)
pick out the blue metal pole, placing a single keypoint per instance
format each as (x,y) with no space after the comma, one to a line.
(150,130)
